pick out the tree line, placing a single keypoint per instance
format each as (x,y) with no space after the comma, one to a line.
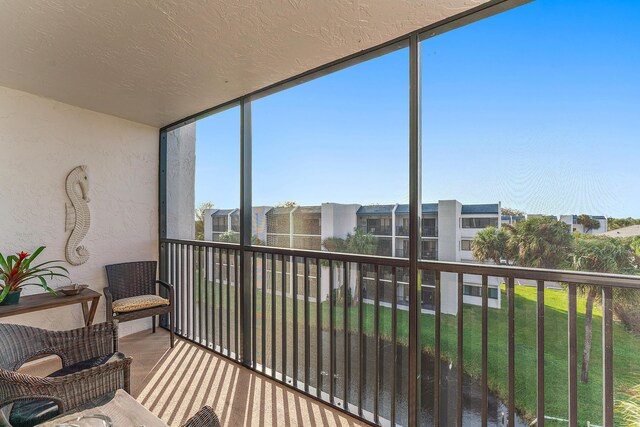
(544,242)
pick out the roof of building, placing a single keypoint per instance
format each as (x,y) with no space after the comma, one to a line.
(308,210)
(375,210)
(427,208)
(575,217)
(630,231)
(491,208)
(512,217)
(279,211)
(223,212)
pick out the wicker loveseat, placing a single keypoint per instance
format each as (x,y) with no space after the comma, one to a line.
(91,367)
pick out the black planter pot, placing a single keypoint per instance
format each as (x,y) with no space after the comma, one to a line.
(11,298)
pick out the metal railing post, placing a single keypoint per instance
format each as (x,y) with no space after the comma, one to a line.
(415,214)
(246,309)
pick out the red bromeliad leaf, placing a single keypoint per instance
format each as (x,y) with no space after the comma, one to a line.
(16,271)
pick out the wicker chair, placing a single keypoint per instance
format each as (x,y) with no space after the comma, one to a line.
(205,417)
(92,367)
(135,279)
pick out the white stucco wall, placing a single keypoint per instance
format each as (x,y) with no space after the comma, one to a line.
(568,219)
(181,180)
(41,141)
(449,212)
(338,219)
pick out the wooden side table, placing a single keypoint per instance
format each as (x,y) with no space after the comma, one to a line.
(38,302)
(119,407)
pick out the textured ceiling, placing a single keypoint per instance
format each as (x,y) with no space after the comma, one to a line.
(155,61)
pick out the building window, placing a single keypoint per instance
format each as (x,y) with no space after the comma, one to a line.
(476,291)
(429,249)
(402,251)
(220,224)
(306,224)
(465,245)
(402,226)
(235,222)
(479,222)
(380,226)
(278,223)
(384,247)
(429,227)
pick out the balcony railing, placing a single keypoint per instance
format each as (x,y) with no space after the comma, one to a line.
(430,255)
(429,232)
(350,351)
(403,231)
(426,255)
(377,230)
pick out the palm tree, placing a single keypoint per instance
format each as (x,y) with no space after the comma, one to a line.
(604,255)
(229,237)
(588,222)
(634,244)
(492,244)
(361,243)
(334,244)
(357,242)
(199,219)
(541,242)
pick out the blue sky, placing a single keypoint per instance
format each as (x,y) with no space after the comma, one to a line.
(538,108)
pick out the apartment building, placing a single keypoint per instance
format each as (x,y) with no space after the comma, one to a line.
(570,220)
(223,221)
(224,224)
(294,227)
(448,228)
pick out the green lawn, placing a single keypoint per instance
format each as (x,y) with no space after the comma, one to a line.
(626,348)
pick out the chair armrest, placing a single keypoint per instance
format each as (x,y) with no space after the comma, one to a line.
(108,297)
(169,289)
(85,343)
(205,417)
(69,391)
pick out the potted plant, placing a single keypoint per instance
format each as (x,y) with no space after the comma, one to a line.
(17,271)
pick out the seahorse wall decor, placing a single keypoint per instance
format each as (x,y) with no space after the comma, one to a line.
(78,218)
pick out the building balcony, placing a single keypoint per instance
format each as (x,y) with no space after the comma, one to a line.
(430,255)
(174,383)
(377,231)
(403,231)
(116,122)
(429,232)
(383,293)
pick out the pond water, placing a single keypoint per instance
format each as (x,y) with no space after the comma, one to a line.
(472,396)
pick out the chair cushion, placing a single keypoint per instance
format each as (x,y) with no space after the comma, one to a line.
(88,364)
(26,413)
(141,302)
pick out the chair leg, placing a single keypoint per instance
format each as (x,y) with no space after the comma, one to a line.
(127,379)
(172,326)
(153,324)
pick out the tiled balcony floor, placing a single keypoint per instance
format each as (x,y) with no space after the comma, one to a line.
(175,383)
